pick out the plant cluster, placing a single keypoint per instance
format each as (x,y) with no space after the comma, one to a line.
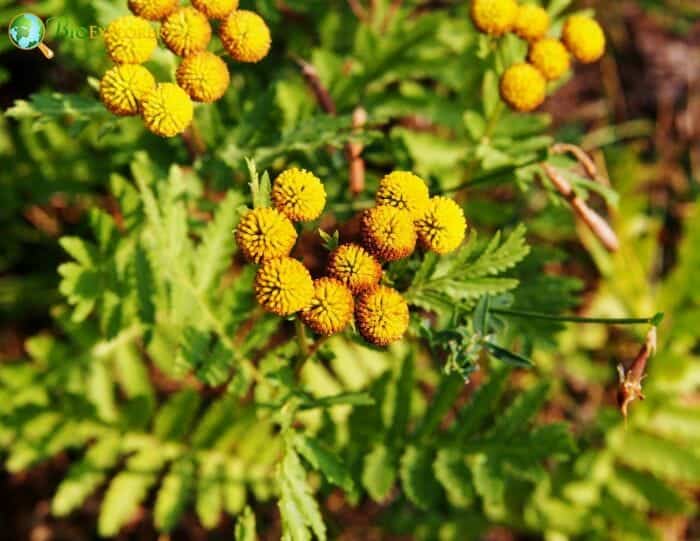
(403,215)
(128,88)
(167,400)
(524,84)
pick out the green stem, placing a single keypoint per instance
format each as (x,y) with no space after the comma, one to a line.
(654,320)
(301,339)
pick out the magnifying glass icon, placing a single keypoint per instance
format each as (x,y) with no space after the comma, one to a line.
(27,31)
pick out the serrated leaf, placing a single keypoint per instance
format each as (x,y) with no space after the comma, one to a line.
(379,472)
(85,476)
(455,477)
(520,412)
(417,478)
(174,418)
(210,497)
(245,527)
(128,489)
(300,512)
(325,461)
(173,495)
(217,247)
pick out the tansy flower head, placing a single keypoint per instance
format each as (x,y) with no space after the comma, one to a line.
(167,110)
(330,309)
(245,36)
(283,286)
(523,87)
(186,31)
(299,195)
(388,233)
(495,17)
(264,233)
(215,9)
(153,10)
(405,191)
(584,37)
(123,86)
(204,76)
(130,40)
(353,266)
(531,22)
(550,57)
(382,315)
(442,227)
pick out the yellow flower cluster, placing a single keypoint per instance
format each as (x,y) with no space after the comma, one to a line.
(524,84)
(404,214)
(167,108)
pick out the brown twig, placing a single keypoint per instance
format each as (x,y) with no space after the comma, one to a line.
(359,10)
(194,142)
(353,153)
(591,218)
(391,12)
(323,97)
(630,388)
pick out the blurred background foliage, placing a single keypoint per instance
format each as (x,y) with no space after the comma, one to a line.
(112,352)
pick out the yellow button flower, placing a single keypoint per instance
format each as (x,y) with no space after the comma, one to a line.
(405,191)
(531,22)
(186,31)
(130,40)
(204,76)
(382,315)
(153,10)
(523,87)
(299,195)
(123,86)
(354,267)
(167,110)
(388,233)
(495,17)
(216,9)
(442,227)
(245,36)
(331,308)
(550,57)
(283,286)
(584,38)
(264,233)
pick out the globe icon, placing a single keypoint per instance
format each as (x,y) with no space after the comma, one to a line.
(26,31)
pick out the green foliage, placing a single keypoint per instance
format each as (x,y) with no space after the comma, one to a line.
(155,372)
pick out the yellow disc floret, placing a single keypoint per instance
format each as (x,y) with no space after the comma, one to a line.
(382,315)
(283,286)
(264,233)
(550,57)
(186,31)
(216,9)
(123,87)
(299,195)
(167,110)
(405,191)
(331,308)
(153,10)
(531,22)
(388,233)
(442,227)
(523,87)
(204,76)
(130,40)
(495,17)
(245,36)
(354,267)
(584,38)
